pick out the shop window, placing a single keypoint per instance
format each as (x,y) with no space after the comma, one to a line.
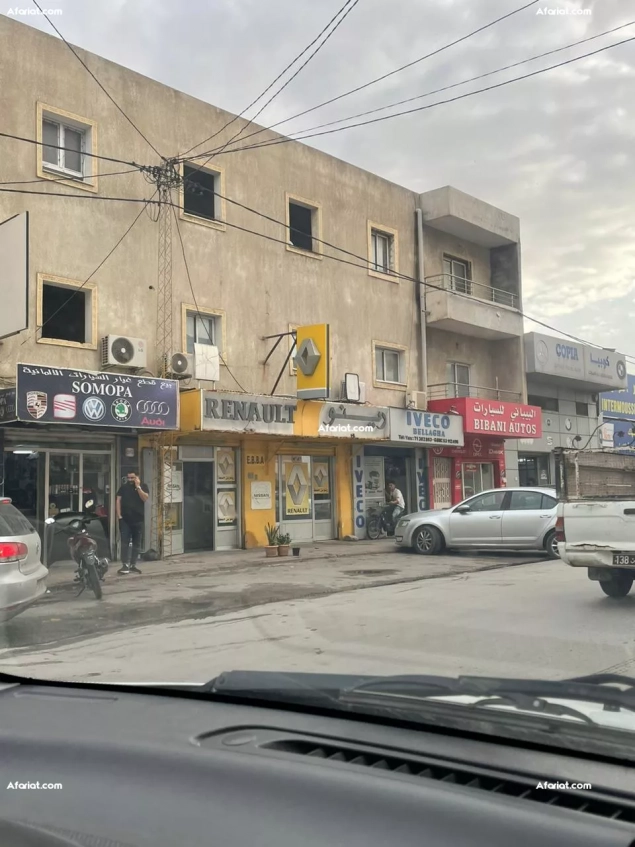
(582,410)
(66,312)
(459,379)
(322,493)
(389,365)
(297,489)
(457,275)
(547,404)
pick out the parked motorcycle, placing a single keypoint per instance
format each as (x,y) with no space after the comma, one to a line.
(91,569)
(382,521)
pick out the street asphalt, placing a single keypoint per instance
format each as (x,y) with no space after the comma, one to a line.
(196,587)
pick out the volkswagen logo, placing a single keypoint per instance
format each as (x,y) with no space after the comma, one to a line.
(94,408)
(152,407)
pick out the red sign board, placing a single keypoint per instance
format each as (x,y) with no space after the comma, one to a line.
(486,449)
(493,417)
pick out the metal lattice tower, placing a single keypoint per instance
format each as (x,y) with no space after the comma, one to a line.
(166,178)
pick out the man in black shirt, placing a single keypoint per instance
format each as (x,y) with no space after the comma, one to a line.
(131,500)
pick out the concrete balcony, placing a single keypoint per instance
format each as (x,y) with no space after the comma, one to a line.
(470,308)
(451,390)
(468,218)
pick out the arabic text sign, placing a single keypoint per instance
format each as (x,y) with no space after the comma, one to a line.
(86,398)
(426,427)
(339,420)
(605,367)
(248,413)
(493,417)
(547,354)
(8,410)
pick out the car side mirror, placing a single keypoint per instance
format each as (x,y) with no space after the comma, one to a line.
(463,510)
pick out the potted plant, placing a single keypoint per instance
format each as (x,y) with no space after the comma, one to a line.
(283,545)
(273,531)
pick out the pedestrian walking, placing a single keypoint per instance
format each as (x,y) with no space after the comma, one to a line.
(131,500)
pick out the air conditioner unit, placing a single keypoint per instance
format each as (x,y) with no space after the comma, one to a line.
(416,400)
(123,352)
(181,366)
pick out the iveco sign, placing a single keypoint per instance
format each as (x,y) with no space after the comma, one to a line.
(590,367)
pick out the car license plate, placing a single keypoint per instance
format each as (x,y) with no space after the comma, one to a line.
(624,559)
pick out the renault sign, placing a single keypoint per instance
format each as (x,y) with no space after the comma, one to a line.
(313,362)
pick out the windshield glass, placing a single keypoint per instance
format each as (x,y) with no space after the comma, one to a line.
(279,389)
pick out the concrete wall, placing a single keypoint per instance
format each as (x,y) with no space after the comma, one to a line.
(437,243)
(260,285)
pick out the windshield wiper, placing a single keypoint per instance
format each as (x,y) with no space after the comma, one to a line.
(411,691)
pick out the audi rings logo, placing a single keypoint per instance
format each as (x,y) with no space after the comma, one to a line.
(152,407)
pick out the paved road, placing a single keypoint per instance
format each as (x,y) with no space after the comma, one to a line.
(543,620)
(167,591)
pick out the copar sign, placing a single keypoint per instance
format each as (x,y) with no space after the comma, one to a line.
(248,413)
(86,398)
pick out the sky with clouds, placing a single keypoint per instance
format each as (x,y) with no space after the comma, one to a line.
(557,150)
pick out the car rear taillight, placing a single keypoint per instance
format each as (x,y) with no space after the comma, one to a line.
(12,551)
(560,536)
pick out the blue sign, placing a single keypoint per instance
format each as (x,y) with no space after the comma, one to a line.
(618,409)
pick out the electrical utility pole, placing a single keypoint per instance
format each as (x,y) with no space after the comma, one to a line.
(166,177)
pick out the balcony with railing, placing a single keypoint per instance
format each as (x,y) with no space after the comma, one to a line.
(450,390)
(461,305)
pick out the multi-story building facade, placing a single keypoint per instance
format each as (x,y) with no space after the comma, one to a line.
(617,411)
(421,294)
(564,379)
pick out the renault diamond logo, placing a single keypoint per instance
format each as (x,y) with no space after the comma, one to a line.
(307,357)
(297,485)
(94,408)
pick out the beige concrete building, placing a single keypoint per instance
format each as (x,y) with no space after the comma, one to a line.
(275,239)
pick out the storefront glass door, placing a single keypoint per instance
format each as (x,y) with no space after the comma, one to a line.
(64,491)
(305,497)
(477,477)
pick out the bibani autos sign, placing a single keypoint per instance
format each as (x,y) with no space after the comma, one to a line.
(65,396)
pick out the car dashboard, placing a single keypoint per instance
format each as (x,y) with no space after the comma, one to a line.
(128,768)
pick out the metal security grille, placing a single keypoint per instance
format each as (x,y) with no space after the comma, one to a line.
(441,483)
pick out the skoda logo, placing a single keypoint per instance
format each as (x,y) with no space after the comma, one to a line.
(121,410)
(621,369)
(94,408)
(152,407)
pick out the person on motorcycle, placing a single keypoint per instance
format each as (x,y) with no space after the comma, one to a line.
(396,504)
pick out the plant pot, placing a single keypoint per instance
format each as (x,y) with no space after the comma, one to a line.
(296,551)
(271,551)
(283,549)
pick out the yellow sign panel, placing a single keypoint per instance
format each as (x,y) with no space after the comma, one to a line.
(313,362)
(320,477)
(297,488)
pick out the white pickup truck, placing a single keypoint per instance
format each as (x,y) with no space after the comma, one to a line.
(595,526)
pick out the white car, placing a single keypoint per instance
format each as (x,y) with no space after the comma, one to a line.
(22,574)
(503,518)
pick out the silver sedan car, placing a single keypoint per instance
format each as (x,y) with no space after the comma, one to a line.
(504,518)
(22,574)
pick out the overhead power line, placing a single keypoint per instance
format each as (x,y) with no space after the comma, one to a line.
(66,179)
(88,279)
(305,63)
(467,81)
(94,197)
(286,139)
(57,147)
(393,72)
(106,92)
(366,263)
(198,312)
(280,75)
